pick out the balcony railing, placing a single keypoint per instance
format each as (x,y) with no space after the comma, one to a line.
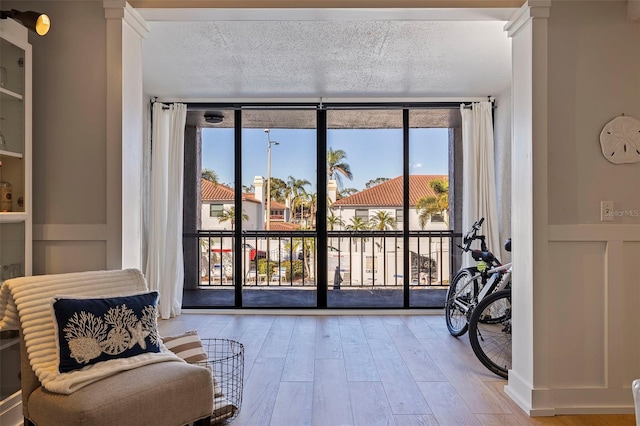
(354,259)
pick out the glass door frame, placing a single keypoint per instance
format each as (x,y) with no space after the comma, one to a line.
(322,275)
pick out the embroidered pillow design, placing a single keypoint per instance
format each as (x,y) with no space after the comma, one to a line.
(94,330)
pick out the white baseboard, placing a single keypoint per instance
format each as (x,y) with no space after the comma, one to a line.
(567,401)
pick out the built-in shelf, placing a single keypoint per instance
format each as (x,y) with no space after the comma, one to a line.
(8,93)
(12,217)
(10,154)
(16,168)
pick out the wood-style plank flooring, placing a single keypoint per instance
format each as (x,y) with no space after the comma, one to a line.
(364,370)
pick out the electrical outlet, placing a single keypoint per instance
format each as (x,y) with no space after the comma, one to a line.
(606,211)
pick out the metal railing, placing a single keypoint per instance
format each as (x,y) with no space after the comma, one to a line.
(355,258)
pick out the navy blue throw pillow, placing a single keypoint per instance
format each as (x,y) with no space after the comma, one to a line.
(95,330)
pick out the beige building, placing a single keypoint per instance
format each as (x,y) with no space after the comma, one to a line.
(387,197)
(216,198)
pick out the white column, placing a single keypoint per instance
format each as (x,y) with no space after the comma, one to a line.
(528,30)
(125,134)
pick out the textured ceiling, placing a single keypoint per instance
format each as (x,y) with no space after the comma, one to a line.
(280,54)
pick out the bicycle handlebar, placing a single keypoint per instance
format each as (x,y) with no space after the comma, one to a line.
(472,235)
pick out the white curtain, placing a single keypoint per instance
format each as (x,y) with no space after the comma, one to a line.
(165,267)
(478,178)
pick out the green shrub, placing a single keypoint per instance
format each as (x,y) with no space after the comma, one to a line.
(271,268)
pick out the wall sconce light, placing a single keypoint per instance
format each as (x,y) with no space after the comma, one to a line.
(35,21)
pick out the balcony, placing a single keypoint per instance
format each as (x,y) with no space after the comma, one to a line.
(363,269)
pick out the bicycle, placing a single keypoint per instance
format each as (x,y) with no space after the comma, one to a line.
(470,285)
(490,332)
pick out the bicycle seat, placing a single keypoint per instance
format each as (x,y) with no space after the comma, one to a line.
(487,256)
(507,244)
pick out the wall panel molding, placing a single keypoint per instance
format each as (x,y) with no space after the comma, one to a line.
(594,232)
(67,232)
(612,395)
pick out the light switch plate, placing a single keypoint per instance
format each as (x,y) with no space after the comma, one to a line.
(606,211)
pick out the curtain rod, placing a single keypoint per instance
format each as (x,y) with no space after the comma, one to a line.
(203,106)
(154,100)
(198,106)
(470,106)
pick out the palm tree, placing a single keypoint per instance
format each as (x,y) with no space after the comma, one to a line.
(357,224)
(210,175)
(301,202)
(434,204)
(381,221)
(230,215)
(333,221)
(294,190)
(312,201)
(307,246)
(336,165)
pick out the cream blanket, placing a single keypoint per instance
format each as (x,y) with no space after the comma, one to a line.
(26,302)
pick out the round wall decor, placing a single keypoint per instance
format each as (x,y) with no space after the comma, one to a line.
(620,140)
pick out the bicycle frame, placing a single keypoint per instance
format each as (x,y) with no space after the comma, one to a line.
(488,275)
(498,279)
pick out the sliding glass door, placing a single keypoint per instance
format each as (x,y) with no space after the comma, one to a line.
(280,191)
(376,235)
(364,187)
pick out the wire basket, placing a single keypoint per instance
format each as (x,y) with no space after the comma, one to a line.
(226,362)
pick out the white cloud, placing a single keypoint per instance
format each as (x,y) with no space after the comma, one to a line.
(416,165)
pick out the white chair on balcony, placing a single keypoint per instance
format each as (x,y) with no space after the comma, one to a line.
(217,274)
(253,276)
(279,275)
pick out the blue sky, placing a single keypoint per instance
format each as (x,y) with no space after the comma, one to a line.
(371,153)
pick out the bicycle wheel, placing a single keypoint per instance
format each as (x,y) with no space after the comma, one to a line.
(490,332)
(460,299)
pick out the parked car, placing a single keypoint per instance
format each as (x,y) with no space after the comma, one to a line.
(248,249)
(254,254)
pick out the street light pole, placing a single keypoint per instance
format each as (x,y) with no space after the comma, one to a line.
(269,143)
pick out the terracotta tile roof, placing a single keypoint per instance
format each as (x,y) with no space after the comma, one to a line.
(220,192)
(274,204)
(283,226)
(278,206)
(389,193)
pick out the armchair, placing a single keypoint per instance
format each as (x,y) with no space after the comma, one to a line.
(161,392)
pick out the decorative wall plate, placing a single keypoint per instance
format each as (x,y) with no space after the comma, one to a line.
(620,140)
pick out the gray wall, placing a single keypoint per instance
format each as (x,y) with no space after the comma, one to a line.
(595,56)
(69,136)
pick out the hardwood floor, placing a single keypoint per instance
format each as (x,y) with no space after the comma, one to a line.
(364,370)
